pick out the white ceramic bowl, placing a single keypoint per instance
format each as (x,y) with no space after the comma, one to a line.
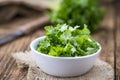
(63,66)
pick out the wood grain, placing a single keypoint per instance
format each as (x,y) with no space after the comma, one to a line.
(105,36)
(117,40)
(8,68)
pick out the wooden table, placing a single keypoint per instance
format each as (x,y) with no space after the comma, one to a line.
(107,36)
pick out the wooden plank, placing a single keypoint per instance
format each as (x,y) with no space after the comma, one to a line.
(105,36)
(117,36)
(8,67)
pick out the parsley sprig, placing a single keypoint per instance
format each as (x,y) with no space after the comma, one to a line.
(78,12)
(66,41)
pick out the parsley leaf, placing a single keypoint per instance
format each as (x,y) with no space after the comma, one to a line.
(78,12)
(66,41)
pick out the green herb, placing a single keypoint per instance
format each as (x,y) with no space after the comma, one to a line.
(78,12)
(66,41)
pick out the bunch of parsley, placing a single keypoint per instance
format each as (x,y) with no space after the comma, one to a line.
(78,12)
(66,41)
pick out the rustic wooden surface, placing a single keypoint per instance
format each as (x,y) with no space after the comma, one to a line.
(107,36)
(117,40)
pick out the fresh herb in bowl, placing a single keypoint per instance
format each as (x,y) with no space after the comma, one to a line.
(66,41)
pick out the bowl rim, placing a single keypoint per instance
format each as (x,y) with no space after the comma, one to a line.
(57,57)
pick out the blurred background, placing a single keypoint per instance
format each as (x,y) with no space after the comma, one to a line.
(21,21)
(16,13)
